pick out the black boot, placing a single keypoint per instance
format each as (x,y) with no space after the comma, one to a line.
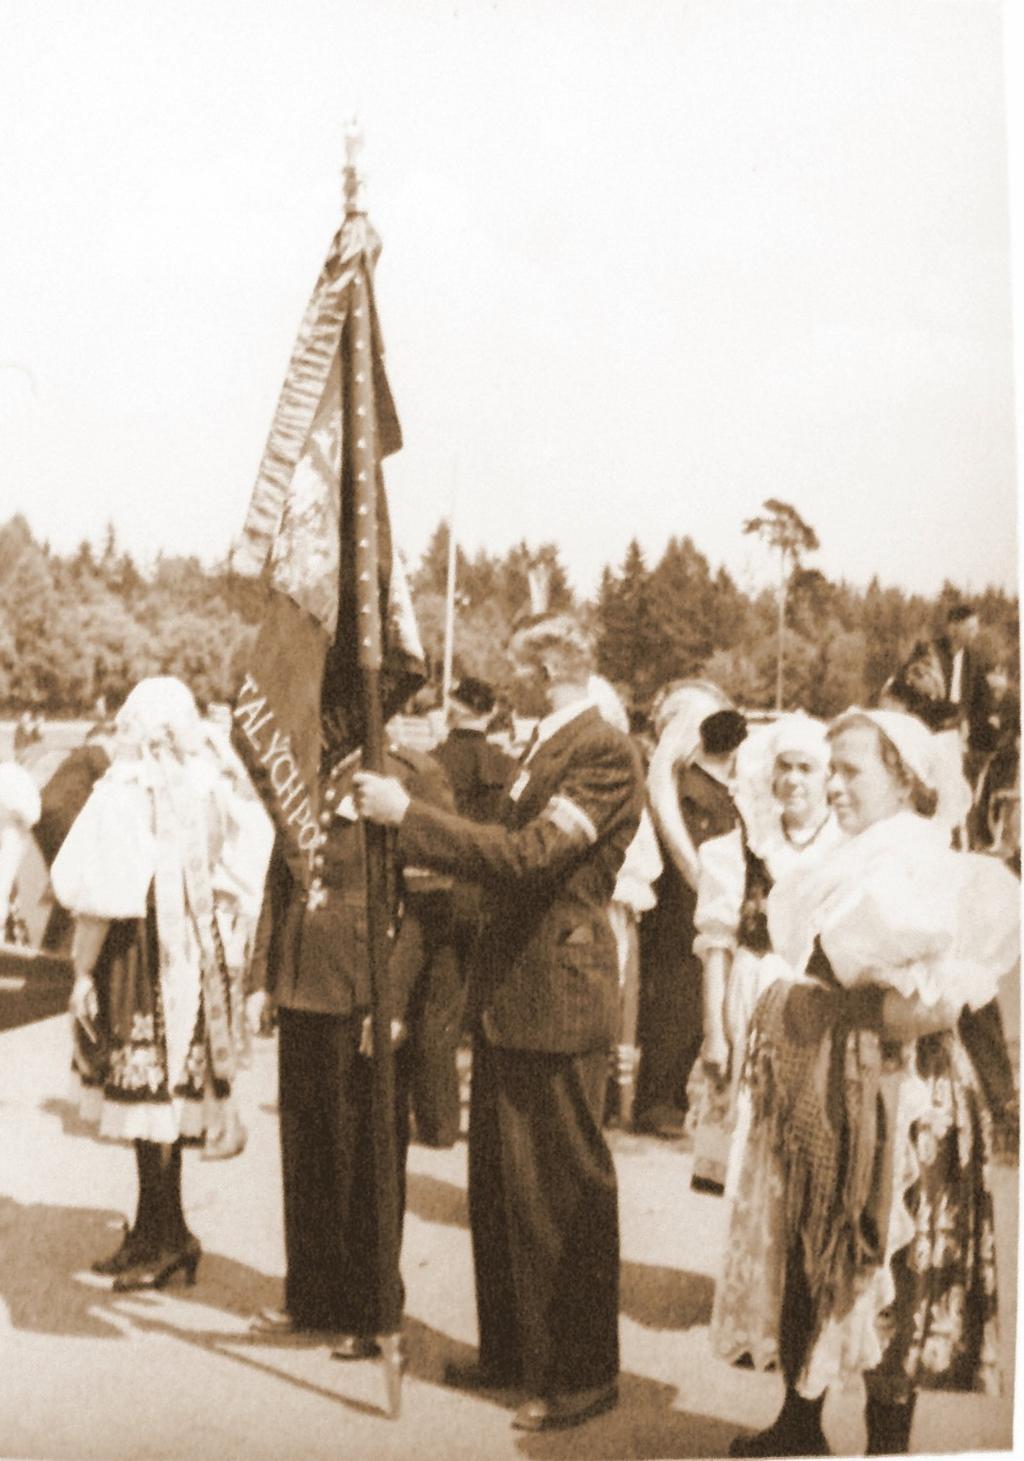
(176,1233)
(177,1250)
(795,1432)
(142,1241)
(889,1426)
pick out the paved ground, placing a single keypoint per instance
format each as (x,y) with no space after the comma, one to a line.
(86,1374)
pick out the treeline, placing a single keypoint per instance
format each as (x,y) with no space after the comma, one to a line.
(79,628)
(681,616)
(84,628)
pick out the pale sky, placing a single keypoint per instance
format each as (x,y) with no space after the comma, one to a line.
(644,265)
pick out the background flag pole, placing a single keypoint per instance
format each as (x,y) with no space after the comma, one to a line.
(449,605)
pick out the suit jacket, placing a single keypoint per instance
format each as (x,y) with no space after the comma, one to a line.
(940,712)
(975,704)
(310,950)
(545,970)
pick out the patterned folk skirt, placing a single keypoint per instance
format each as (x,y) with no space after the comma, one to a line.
(924,1317)
(122,1076)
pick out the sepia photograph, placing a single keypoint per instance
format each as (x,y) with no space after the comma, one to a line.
(509,729)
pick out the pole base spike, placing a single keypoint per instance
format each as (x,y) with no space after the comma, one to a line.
(393,1361)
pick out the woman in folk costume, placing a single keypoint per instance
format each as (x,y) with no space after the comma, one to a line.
(861,1240)
(688,802)
(782,798)
(153,1045)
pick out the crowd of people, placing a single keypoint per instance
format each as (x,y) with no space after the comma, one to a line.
(800,926)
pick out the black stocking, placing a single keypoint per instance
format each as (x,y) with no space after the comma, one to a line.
(148,1226)
(796,1430)
(175,1230)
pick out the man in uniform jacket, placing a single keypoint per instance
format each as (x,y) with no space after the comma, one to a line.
(311,957)
(543,1199)
(478,773)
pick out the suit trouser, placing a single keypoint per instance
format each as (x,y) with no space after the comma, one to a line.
(330,1218)
(436,1016)
(543,1207)
(671,1017)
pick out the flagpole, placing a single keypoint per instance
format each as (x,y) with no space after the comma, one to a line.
(358,398)
(449,609)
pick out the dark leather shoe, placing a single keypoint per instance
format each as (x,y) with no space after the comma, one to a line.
(475,1376)
(573,1407)
(355,1347)
(156,1273)
(134,1250)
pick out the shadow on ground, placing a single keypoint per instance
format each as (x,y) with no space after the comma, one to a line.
(643,1425)
(45,1252)
(656,1297)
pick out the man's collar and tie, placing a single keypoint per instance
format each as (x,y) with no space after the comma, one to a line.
(553,722)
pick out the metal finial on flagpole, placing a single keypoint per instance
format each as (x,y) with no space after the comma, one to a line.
(355,190)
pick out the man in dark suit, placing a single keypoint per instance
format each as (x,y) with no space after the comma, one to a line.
(945,684)
(478,773)
(311,957)
(542,1189)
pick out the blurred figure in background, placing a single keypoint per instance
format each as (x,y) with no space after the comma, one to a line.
(19,812)
(63,796)
(477,769)
(27,733)
(944,684)
(996,823)
(690,800)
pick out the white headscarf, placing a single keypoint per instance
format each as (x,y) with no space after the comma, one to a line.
(935,760)
(159,716)
(802,735)
(798,734)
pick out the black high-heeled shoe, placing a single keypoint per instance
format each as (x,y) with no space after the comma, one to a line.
(134,1249)
(158,1272)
